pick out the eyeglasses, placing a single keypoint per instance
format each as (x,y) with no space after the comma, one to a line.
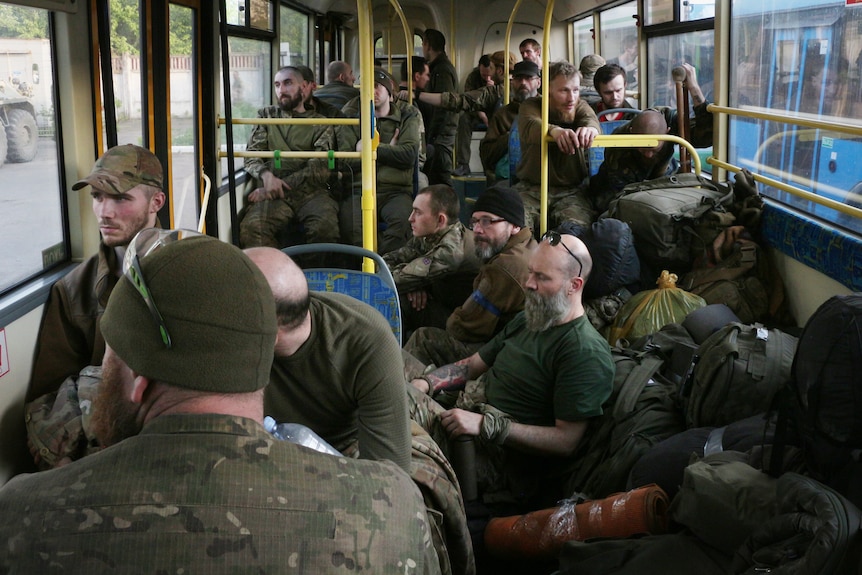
(143,244)
(485,222)
(554,239)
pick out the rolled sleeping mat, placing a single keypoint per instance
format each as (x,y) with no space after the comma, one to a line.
(541,534)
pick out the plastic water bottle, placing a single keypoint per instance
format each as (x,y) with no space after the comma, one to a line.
(298,433)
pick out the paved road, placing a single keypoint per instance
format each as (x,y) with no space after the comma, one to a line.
(30,216)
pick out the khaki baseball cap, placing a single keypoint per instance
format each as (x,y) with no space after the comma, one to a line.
(122,168)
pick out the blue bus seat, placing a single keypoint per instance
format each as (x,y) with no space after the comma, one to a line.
(376,289)
(597,153)
(514,152)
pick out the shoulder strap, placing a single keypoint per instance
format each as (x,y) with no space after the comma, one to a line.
(648,365)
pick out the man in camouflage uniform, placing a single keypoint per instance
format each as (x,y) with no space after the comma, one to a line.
(291,188)
(126,187)
(504,244)
(397,157)
(610,82)
(438,264)
(623,166)
(192,482)
(531,391)
(572,125)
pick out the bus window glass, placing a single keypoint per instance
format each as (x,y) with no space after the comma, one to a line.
(583,33)
(294,37)
(658,11)
(620,40)
(250,90)
(31,232)
(666,52)
(261,14)
(692,10)
(185,188)
(799,60)
(126,36)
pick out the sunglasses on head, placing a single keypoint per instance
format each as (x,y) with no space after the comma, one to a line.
(554,239)
(143,244)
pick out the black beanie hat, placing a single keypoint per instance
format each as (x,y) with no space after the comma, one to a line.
(217,307)
(502,202)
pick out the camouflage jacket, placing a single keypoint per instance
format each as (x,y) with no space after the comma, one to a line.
(498,292)
(215,494)
(563,170)
(306,177)
(485,99)
(427,259)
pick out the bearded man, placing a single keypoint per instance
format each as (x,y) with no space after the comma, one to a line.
(290,188)
(530,392)
(503,243)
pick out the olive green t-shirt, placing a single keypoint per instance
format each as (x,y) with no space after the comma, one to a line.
(565,372)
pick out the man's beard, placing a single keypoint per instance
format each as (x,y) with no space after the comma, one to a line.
(114,416)
(486,249)
(291,103)
(521,95)
(543,312)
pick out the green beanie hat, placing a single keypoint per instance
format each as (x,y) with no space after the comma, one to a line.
(217,307)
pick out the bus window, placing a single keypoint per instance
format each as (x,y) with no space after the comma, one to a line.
(250,89)
(32,229)
(126,34)
(583,35)
(802,60)
(666,52)
(620,40)
(294,37)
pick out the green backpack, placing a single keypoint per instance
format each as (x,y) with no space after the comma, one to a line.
(642,410)
(739,370)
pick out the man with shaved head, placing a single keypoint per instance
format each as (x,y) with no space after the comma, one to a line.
(623,166)
(530,392)
(337,366)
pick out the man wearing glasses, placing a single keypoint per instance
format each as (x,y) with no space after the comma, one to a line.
(190,481)
(531,391)
(504,244)
(126,187)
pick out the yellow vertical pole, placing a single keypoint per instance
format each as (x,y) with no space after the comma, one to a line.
(506,85)
(366,128)
(543,185)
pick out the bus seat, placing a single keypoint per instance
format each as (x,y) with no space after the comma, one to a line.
(597,153)
(514,152)
(376,289)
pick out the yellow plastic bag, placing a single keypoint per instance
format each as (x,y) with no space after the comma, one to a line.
(648,311)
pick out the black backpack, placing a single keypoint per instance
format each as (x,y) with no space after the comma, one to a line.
(825,393)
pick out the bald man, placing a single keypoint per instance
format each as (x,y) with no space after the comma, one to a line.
(623,166)
(542,379)
(337,367)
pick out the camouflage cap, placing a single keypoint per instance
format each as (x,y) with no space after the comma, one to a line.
(122,168)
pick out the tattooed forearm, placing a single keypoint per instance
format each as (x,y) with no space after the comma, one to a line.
(452,376)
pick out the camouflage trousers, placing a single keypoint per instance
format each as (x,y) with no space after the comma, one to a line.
(564,205)
(393,214)
(433,474)
(504,478)
(432,345)
(265,223)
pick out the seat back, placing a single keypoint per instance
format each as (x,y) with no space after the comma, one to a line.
(514,152)
(597,153)
(376,289)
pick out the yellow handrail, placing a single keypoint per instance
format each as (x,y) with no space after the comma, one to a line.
(838,206)
(297,121)
(508,40)
(546,75)
(645,141)
(366,111)
(787,119)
